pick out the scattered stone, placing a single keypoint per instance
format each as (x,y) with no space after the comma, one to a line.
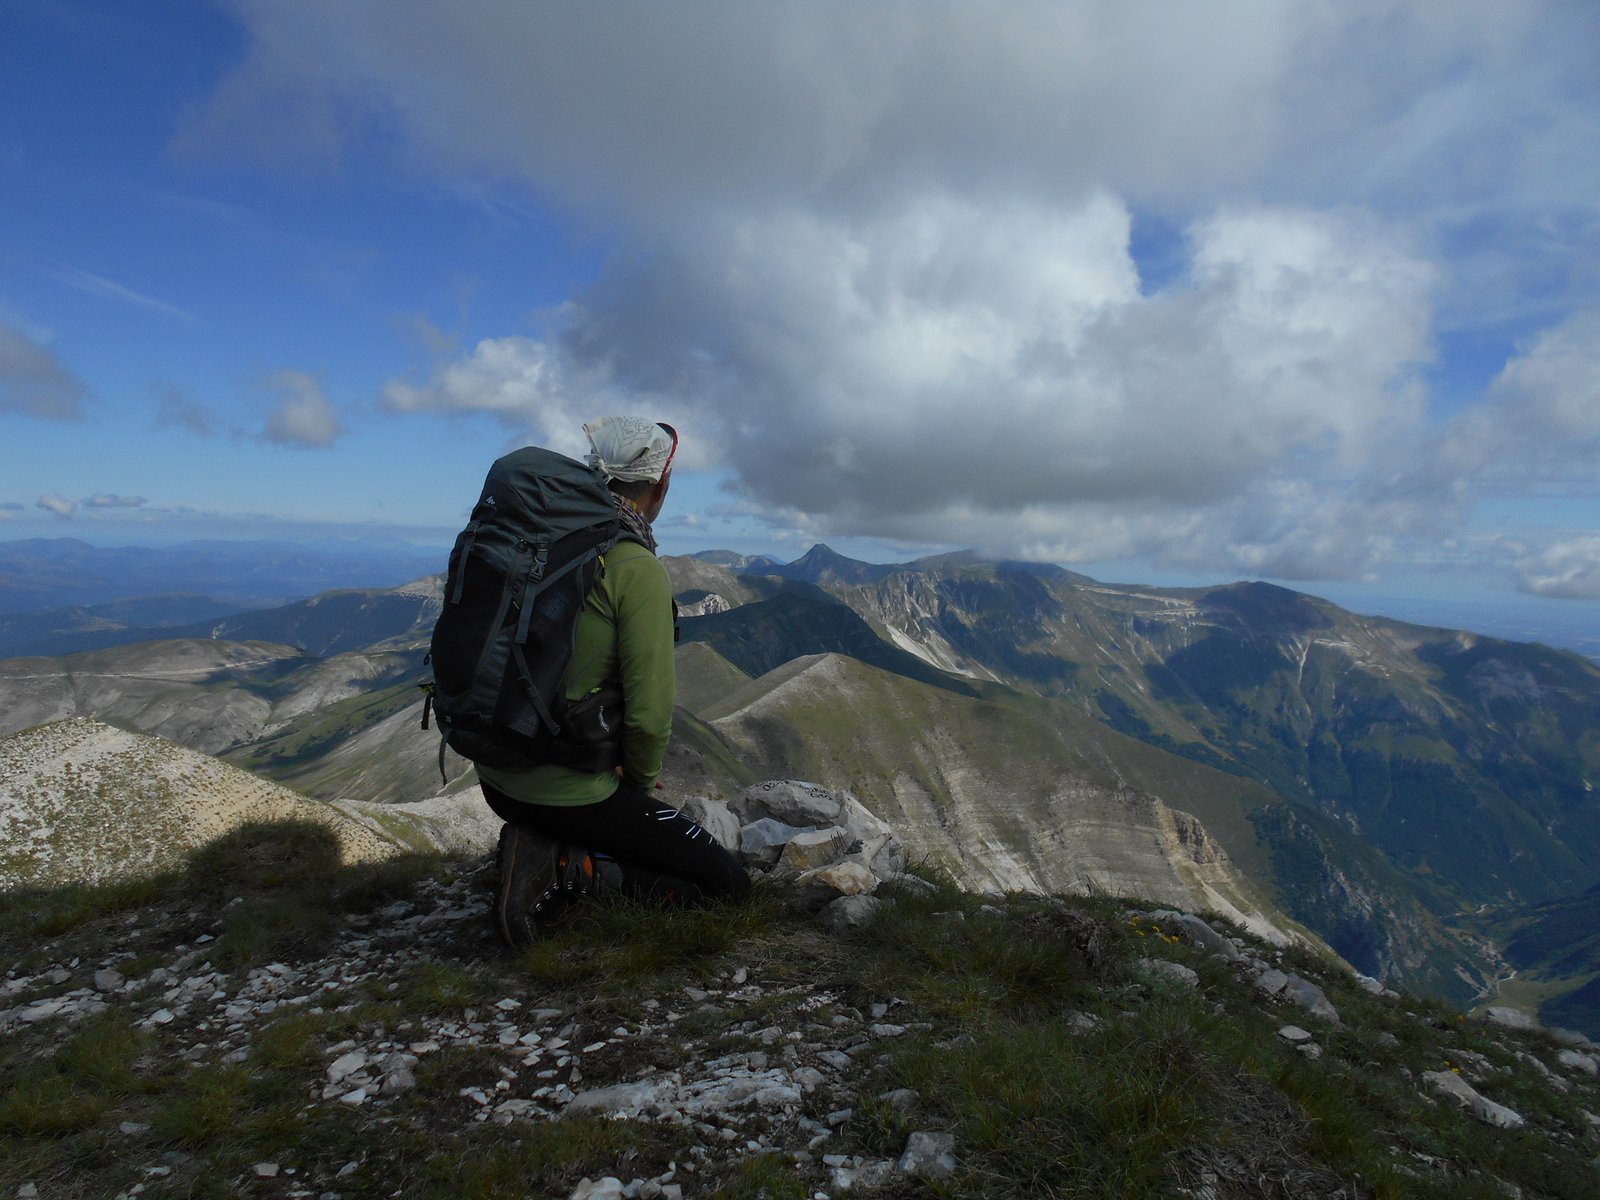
(1574,1039)
(790,801)
(715,818)
(346,1064)
(266,1170)
(1197,933)
(845,878)
(1310,997)
(1578,1062)
(813,848)
(1165,968)
(1509,1018)
(133,1128)
(1294,1035)
(900,1100)
(849,912)
(928,1156)
(1447,1083)
(868,1176)
(162,1016)
(911,885)
(1271,981)
(608,1187)
(763,840)
(107,980)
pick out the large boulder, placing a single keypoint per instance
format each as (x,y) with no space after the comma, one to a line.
(825,844)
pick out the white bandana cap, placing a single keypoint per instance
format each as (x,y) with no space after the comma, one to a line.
(629,448)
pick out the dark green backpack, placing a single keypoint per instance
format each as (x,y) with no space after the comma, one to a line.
(518,577)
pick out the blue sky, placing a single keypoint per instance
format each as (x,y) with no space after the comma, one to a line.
(1166,291)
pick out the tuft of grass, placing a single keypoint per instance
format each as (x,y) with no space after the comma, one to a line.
(69,1091)
(27,914)
(441,987)
(290,1044)
(541,1160)
(1040,1110)
(206,1106)
(263,930)
(974,967)
(287,855)
(623,942)
(763,1177)
(41,1102)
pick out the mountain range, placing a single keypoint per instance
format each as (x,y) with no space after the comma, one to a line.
(1421,799)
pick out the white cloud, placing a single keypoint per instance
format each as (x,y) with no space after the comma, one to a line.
(656,110)
(951,372)
(875,258)
(33,380)
(58,504)
(303,416)
(1568,569)
(1541,421)
(108,500)
(176,409)
(97,285)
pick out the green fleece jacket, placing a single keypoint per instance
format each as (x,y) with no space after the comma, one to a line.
(624,632)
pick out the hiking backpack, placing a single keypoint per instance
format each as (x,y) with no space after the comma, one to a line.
(518,577)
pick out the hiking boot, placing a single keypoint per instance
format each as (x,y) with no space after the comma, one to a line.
(541,884)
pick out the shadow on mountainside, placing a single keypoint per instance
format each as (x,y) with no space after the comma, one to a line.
(268,1022)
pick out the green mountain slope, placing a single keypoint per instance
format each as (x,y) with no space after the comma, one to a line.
(1467,761)
(1017,791)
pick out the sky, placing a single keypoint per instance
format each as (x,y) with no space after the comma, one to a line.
(1160,291)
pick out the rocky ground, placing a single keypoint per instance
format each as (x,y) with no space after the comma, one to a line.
(270,1023)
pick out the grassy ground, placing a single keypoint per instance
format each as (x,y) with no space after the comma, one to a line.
(1026,1028)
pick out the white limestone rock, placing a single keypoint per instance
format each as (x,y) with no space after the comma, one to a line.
(813,848)
(1167,970)
(1509,1018)
(791,801)
(1451,1085)
(761,841)
(715,818)
(849,912)
(1271,981)
(608,1187)
(844,878)
(1310,997)
(1578,1062)
(928,1156)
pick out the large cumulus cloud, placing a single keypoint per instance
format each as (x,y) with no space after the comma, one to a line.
(950,371)
(878,257)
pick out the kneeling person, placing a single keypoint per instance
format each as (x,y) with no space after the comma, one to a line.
(570,833)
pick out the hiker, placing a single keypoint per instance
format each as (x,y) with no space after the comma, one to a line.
(572,832)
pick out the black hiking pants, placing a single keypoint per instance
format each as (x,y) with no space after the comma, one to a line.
(664,856)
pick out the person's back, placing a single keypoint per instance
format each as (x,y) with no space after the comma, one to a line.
(570,832)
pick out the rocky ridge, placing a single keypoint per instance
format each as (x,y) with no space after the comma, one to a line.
(407,1029)
(83,802)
